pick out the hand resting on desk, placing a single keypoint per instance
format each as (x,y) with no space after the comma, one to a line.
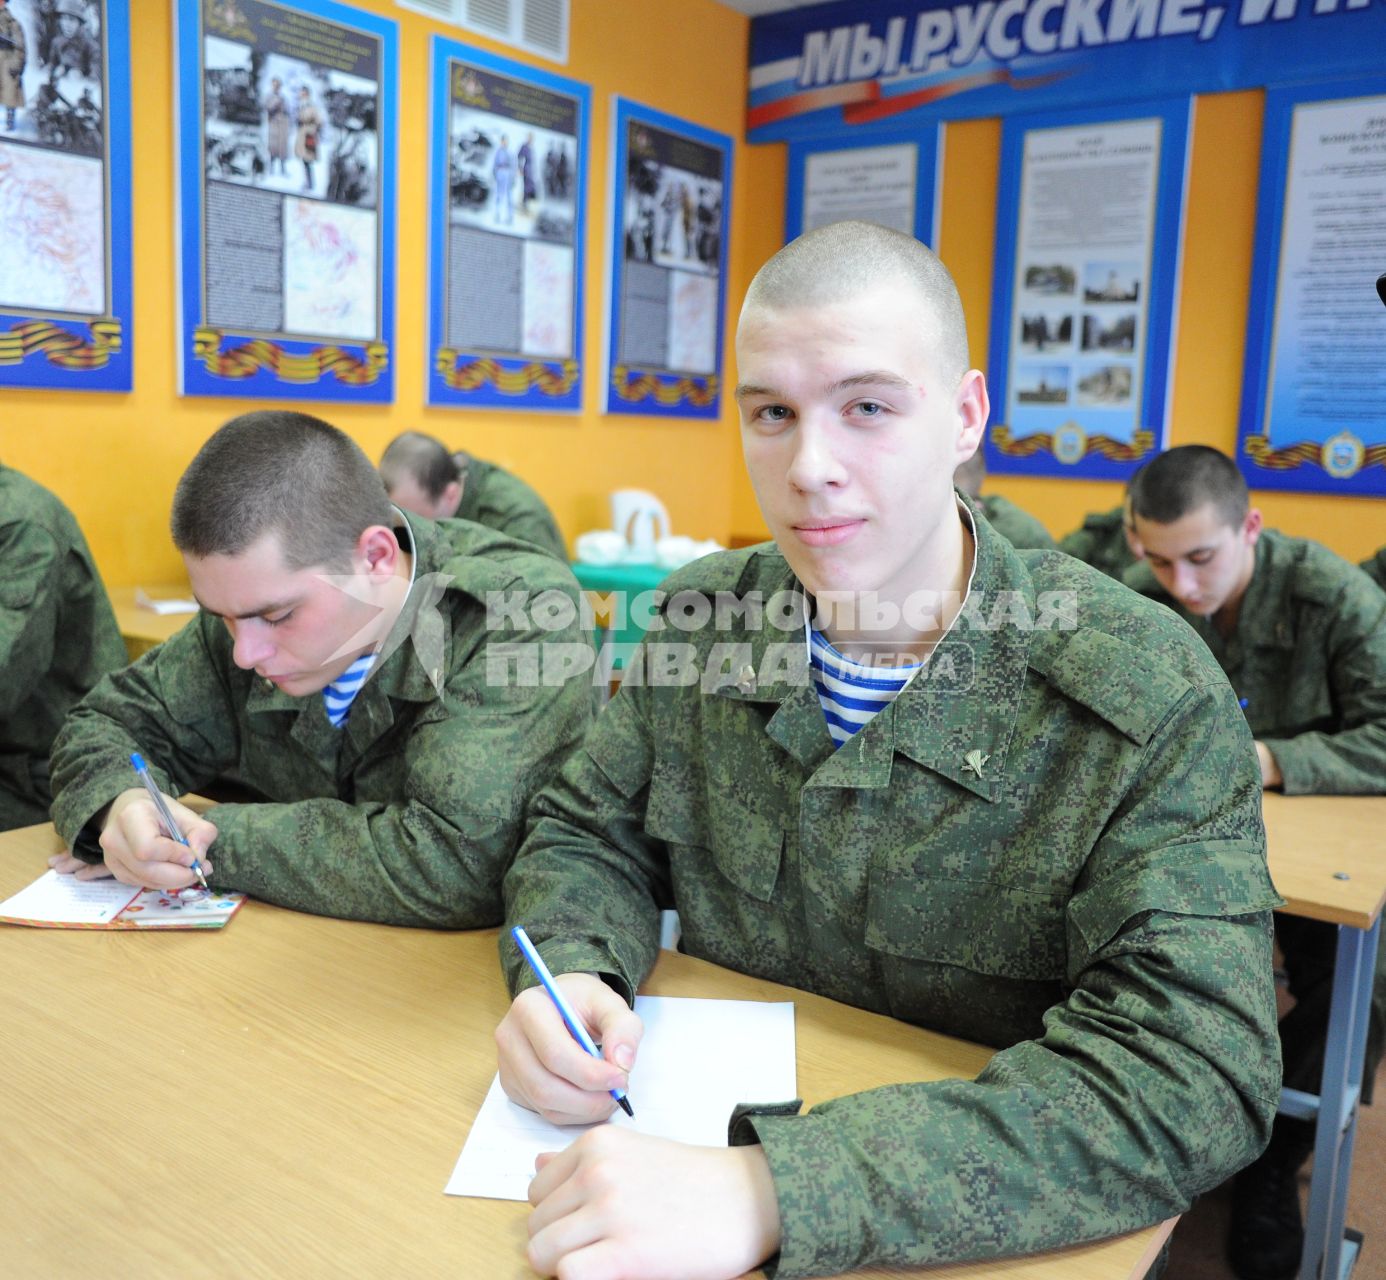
(617,1203)
(137,852)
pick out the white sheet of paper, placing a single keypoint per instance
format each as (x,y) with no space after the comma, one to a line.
(164,604)
(698,1059)
(62,899)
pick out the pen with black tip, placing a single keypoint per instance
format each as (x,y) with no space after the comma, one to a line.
(541,971)
(165,817)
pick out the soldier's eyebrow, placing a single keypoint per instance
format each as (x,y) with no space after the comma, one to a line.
(262,612)
(870,378)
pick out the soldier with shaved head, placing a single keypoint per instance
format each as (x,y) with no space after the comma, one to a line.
(986,791)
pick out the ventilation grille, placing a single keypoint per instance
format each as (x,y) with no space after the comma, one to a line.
(537,26)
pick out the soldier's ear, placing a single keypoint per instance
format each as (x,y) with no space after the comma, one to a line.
(1251,530)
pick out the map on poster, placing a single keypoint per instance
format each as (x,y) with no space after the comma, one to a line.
(290,244)
(61,312)
(53,227)
(671,256)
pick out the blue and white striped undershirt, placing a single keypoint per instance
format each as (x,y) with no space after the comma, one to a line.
(849,693)
(341,693)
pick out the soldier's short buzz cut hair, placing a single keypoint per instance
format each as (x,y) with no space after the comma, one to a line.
(1182,480)
(279,472)
(844,260)
(426,460)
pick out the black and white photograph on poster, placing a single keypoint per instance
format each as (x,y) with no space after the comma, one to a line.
(289,126)
(1042,383)
(673,212)
(1107,331)
(51,74)
(511,157)
(1050,279)
(1108,384)
(1111,281)
(1042,331)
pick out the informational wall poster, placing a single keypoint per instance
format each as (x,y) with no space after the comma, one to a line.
(888,180)
(65,194)
(671,196)
(832,68)
(506,245)
(1089,208)
(286,186)
(1314,398)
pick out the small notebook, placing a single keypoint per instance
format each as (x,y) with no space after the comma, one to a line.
(56,901)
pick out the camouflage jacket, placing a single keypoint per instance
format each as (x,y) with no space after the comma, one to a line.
(1016,525)
(1308,661)
(1375,567)
(500,500)
(1051,843)
(58,637)
(410,813)
(1101,542)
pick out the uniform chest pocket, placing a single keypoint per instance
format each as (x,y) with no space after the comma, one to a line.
(981,926)
(744,844)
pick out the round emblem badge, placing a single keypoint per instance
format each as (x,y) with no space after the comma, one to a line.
(1070,443)
(1342,455)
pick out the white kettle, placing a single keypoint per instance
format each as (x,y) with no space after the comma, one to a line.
(640,518)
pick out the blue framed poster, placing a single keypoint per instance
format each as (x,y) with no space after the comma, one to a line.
(65,306)
(671,183)
(286,189)
(891,178)
(1088,233)
(506,233)
(1314,391)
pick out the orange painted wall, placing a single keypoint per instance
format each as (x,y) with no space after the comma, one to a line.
(115,459)
(1219,223)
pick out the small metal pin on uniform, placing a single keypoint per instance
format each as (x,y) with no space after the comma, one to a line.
(974,760)
(746,681)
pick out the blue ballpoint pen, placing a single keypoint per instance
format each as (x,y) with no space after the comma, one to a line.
(165,817)
(541,971)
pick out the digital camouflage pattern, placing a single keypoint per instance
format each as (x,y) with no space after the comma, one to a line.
(1065,861)
(58,637)
(407,815)
(1308,656)
(1375,567)
(1016,525)
(501,500)
(1101,542)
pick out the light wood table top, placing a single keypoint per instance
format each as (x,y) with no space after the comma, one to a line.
(1314,842)
(287,1097)
(141,628)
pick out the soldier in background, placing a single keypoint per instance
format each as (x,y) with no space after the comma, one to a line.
(1107,541)
(421,475)
(58,637)
(1017,526)
(1301,634)
(1043,837)
(13,58)
(340,669)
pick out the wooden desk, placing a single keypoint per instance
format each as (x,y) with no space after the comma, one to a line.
(1326,859)
(288,1096)
(142,629)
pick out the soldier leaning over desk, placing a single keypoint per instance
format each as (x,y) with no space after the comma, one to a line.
(58,637)
(1301,635)
(1105,540)
(340,667)
(1049,841)
(1016,525)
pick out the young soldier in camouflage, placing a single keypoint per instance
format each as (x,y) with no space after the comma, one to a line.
(58,637)
(340,668)
(1050,843)
(1016,525)
(1301,635)
(421,475)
